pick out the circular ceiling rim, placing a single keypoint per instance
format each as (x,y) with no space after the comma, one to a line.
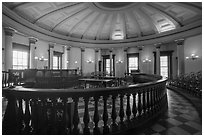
(7,12)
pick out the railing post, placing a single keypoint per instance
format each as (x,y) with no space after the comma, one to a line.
(86,116)
(128,109)
(96,116)
(121,113)
(105,116)
(134,108)
(27,116)
(144,102)
(76,116)
(148,101)
(152,100)
(34,115)
(20,116)
(139,104)
(114,115)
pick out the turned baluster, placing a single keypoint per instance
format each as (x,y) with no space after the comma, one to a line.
(86,116)
(20,116)
(128,109)
(148,105)
(134,108)
(34,118)
(114,115)
(96,116)
(27,116)
(152,100)
(62,118)
(144,102)
(121,113)
(42,123)
(105,116)
(139,104)
(76,116)
(155,100)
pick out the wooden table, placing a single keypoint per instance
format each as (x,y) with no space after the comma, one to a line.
(93,81)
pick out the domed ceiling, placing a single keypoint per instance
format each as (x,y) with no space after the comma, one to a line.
(108,20)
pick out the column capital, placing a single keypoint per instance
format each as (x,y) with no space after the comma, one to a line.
(32,40)
(97,49)
(51,45)
(68,47)
(125,49)
(9,31)
(140,48)
(82,49)
(179,41)
(157,45)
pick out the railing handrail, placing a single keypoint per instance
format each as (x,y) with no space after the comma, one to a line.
(84,91)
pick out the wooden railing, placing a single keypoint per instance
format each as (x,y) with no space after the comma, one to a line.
(29,77)
(56,111)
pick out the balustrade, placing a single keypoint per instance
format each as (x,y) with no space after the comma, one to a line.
(47,111)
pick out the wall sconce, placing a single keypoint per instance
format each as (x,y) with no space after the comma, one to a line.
(90,61)
(41,58)
(146,60)
(119,61)
(75,62)
(193,57)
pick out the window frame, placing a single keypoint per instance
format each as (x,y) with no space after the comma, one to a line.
(20,48)
(129,55)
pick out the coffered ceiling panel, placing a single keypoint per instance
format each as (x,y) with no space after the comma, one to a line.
(107,20)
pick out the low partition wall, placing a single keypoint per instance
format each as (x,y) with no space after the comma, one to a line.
(83,111)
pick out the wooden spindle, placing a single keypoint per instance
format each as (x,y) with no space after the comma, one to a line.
(148,102)
(152,100)
(121,113)
(144,102)
(114,115)
(86,116)
(96,116)
(76,116)
(128,109)
(27,116)
(20,116)
(105,116)
(139,104)
(134,108)
(34,118)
